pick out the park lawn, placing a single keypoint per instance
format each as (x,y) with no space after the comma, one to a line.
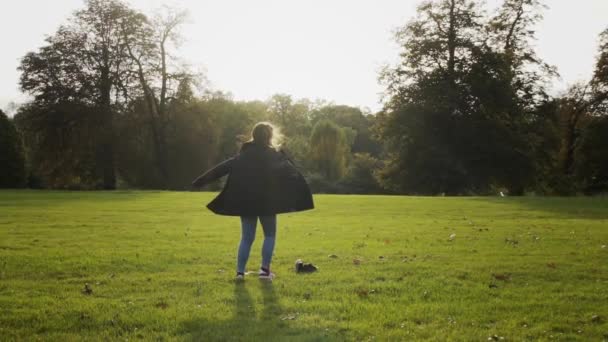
(160,267)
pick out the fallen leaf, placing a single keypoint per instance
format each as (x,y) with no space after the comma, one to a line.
(87,289)
(289,317)
(551,265)
(357,261)
(162,305)
(501,276)
(362,292)
(332,256)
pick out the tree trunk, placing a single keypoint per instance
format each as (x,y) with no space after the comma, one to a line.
(160,149)
(106,145)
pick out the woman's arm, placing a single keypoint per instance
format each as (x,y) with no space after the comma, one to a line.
(220,170)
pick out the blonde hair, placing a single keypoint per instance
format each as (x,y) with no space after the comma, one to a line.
(265,133)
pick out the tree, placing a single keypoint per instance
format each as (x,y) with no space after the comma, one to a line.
(290,116)
(427,96)
(85,63)
(574,108)
(147,43)
(590,167)
(511,34)
(353,118)
(581,113)
(329,149)
(583,153)
(458,114)
(191,142)
(361,175)
(600,75)
(59,144)
(232,124)
(12,173)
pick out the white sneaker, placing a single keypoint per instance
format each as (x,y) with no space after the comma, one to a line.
(265,275)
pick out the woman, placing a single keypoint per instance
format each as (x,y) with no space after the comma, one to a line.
(262,182)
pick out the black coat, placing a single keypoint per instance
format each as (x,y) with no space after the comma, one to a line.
(261,181)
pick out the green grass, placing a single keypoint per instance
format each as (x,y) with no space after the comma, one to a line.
(161,267)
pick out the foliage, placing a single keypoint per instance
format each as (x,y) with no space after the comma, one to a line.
(462,106)
(359,123)
(329,149)
(61,144)
(580,113)
(600,76)
(466,110)
(84,63)
(591,164)
(291,116)
(12,173)
(361,175)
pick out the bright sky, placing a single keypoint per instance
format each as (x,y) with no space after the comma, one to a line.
(316,49)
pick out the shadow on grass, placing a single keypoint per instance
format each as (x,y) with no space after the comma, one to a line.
(589,208)
(272,324)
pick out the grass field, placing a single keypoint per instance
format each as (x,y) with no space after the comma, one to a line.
(160,267)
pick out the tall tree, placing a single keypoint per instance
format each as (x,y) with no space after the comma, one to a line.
(147,44)
(580,111)
(85,62)
(461,99)
(585,149)
(427,96)
(574,109)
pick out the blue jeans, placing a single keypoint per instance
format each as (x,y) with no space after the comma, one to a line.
(248,226)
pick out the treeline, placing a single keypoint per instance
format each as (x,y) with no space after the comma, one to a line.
(468,109)
(466,112)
